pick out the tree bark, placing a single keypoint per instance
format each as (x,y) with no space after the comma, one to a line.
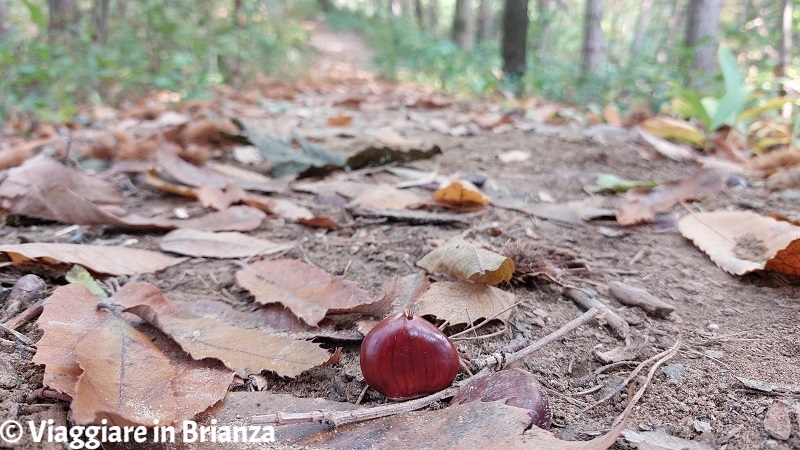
(5,28)
(592,53)
(638,32)
(62,15)
(485,20)
(433,16)
(100,18)
(515,33)
(546,11)
(419,13)
(395,9)
(463,25)
(785,52)
(701,32)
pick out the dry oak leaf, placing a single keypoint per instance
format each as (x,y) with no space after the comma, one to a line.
(125,377)
(306,290)
(69,314)
(461,193)
(471,425)
(465,302)
(244,350)
(219,245)
(340,121)
(741,242)
(642,205)
(463,261)
(99,258)
(382,196)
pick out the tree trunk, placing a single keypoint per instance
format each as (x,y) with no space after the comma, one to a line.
(515,33)
(546,11)
(638,32)
(592,53)
(701,32)
(4,25)
(785,52)
(62,15)
(485,20)
(100,18)
(419,13)
(395,9)
(463,26)
(433,16)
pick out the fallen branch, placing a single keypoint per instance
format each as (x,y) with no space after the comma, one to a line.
(632,296)
(586,300)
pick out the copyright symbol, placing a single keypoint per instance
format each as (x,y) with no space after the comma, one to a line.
(10,431)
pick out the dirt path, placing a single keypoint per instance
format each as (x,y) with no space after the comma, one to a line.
(731,326)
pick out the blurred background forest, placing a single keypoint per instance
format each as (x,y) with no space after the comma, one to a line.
(692,58)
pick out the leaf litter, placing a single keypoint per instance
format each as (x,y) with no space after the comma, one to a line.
(371,240)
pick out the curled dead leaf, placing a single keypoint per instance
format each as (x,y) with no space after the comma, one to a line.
(465,302)
(463,261)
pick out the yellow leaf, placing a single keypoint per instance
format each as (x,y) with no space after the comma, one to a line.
(669,128)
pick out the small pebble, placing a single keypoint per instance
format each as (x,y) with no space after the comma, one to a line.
(674,372)
(712,327)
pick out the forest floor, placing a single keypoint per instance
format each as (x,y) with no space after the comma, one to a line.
(731,327)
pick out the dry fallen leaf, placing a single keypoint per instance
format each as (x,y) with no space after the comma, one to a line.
(219,245)
(342,120)
(174,168)
(125,377)
(741,242)
(100,258)
(382,196)
(465,302)
(463,261)
(461,193)
(69,314)
(308,291)
(643,205)
(244,350)
(675,152)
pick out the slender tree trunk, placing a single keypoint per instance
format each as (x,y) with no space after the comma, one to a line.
(463,25)
(419,13)
(701,32)
(638,31)
(100,18)
(5,28)
(62,15)
(515,33)
(433,15)
(395,9)
(485,20)
(785,51)
(546,11)
(592,53)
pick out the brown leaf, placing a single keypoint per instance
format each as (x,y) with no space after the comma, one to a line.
(99,258)
(341,120)
(472,425)
(246,351)
(186,173)
(382,196)
(463,261)
(308,291)
(675,152)
(741,242)
(461,193)
(125,376)
(68,316)
(642,205)
(219,245)
(465,302)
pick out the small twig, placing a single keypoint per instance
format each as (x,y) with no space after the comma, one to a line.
(25,316)
(499,360)
(361,396)
(46,393)
(483,336)
(660,358)
(21,337)
(475,327)
(339,418)
(586,300)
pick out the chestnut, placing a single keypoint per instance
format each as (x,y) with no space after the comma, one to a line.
(405,356)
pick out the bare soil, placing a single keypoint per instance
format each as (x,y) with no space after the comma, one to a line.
(730,326)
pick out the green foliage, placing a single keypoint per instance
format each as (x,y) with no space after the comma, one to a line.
(151,45)
(731,107)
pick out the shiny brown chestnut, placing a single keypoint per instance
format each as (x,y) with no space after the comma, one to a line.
(405,356)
